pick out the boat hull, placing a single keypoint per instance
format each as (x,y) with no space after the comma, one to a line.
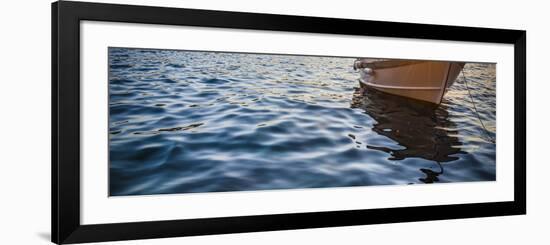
(421,80)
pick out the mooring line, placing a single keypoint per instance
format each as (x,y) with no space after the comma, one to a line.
(475,109)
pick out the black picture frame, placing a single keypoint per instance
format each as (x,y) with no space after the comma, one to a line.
(66,226)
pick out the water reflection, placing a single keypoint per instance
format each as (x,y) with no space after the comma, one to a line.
(431,176)
(421,129)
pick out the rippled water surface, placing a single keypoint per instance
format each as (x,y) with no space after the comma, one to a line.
(185,122)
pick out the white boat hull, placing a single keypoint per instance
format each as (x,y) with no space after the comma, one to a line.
(420,80)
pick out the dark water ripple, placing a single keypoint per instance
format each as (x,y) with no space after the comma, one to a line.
(185,122)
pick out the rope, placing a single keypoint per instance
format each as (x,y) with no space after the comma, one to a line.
(475,109)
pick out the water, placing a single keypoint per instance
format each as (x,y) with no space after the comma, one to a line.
(184,122)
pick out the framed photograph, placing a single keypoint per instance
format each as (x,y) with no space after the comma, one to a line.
(177,122)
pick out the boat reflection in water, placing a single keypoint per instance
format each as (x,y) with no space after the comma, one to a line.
(422,129)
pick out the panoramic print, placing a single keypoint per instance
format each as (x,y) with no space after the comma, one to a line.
(203,121)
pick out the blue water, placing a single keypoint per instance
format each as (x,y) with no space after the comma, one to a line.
(182,122)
